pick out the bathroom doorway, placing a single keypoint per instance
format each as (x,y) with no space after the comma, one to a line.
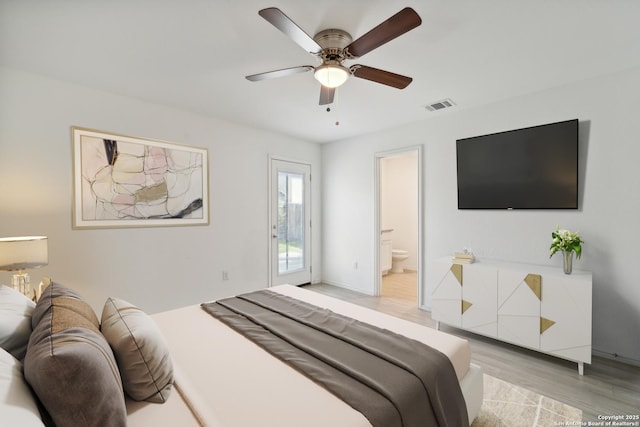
(398,224)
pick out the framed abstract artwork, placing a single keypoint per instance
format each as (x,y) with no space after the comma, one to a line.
(124,181)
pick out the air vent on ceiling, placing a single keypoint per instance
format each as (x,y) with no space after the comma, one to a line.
(440,105)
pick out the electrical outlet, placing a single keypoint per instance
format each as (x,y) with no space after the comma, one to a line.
(225,275)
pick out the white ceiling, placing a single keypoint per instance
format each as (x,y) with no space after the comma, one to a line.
(194,54)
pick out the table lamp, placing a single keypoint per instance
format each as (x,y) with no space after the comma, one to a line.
(21,253)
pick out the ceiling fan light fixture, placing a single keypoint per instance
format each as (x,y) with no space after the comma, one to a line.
(331,75)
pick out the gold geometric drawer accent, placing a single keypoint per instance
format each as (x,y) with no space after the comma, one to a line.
(534,281)
(456,269)
(465,306)
(545,324)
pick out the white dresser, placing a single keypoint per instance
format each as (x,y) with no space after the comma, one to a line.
(536,307)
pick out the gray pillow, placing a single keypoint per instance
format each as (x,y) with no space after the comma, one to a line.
(141,351)
(70,365)
(15,321)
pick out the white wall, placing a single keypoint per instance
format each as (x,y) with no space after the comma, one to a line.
(609,200)
(155,268)
(399,202)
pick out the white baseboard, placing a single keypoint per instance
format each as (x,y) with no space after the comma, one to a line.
(616,357)
(425,308)
(345,286)
(406,270)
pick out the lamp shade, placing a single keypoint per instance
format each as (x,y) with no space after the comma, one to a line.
(21,253)
(331,75)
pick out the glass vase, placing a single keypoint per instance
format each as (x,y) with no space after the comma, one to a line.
(567,261)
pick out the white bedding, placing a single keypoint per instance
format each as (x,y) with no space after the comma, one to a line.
(227,380)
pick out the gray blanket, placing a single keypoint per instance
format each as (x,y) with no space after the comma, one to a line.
(390,379)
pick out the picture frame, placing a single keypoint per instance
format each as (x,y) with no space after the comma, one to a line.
(124,181)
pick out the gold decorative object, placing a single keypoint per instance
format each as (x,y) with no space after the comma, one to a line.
(465,306)
(456,269)
(545,324)
(534,281)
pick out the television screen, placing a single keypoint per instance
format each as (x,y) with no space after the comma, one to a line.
(530,168)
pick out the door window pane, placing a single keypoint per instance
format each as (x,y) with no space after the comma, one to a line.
(290,222)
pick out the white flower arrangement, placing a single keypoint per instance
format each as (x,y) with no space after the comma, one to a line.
(565,241)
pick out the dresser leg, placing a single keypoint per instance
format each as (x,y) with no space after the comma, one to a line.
(437,325)
(580,368)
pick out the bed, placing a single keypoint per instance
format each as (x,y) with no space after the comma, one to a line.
(219,378)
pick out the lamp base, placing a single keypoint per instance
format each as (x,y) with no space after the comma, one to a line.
(22,283)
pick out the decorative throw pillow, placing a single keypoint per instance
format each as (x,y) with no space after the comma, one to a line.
(17,404)
(70,365)
(15,321)
(141,351)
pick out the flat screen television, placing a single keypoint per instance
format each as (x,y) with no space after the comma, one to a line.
(529,168)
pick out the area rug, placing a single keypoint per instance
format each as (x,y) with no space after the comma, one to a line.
(509,405)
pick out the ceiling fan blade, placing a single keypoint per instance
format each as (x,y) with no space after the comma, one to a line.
(290,29)
(405,20)
(381,76)
(279,73)
(326,95)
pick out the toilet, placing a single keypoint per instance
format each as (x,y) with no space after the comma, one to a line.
(398,257)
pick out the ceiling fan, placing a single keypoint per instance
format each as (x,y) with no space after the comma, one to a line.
(333,47)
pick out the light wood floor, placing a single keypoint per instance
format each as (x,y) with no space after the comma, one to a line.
(607,387)
(400,285)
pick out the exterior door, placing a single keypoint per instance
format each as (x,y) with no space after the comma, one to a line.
(290,223)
